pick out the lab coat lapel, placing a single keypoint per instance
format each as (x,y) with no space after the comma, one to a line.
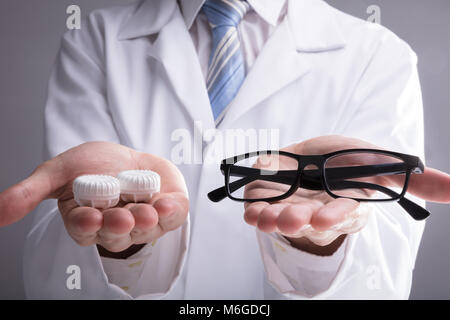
(311,27)
(277,65)
(175,50)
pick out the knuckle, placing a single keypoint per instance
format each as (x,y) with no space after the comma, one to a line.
(83,242)
(113,246)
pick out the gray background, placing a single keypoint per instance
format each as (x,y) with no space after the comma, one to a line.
(30,32)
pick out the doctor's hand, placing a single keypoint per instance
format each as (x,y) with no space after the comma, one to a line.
(318,212)
(114,229)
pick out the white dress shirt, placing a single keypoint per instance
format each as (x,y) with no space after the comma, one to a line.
(307,273)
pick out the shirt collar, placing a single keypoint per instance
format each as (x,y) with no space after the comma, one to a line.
(269,10)
(315,25)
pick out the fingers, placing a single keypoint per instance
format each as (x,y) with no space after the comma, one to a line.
(115,235)
(116,229)
(253,211)
(20,199)
(332,213)
(327,144)
(288,218)
(281,217)
(146,227)
(82,224)
(110,228)
(294,217)
(432,185)
(172,210)
(267,220)
(142,222)
(145,216)
(50,179)
(172,180)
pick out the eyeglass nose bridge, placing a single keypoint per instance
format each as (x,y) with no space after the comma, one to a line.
(317,160)
(311,179)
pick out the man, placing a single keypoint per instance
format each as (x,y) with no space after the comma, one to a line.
(137,73)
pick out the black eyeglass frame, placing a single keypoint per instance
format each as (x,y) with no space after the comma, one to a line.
(316,179)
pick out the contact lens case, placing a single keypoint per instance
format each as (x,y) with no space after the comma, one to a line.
(138,185)
(97,191)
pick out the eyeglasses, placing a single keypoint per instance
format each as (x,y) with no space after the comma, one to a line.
(359,174)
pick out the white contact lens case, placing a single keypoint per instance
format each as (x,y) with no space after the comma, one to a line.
(138,185)
(97,191)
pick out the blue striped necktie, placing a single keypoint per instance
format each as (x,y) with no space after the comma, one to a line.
(226,71)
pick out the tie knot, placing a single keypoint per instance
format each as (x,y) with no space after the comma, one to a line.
(225,12)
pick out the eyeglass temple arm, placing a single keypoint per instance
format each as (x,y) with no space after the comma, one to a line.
(310,178)
(414,210)
(336,177)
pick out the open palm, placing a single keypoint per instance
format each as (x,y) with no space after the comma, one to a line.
(316,210)
(115,229)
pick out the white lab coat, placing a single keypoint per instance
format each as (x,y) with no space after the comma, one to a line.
(131,76)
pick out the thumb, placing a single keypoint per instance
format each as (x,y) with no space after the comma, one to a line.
(19,200)
(433,185)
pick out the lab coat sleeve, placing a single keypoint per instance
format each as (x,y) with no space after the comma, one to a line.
(388,113)
(77,112)
(384,109)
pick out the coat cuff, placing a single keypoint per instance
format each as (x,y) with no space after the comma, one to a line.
(291,270)
(153,271)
